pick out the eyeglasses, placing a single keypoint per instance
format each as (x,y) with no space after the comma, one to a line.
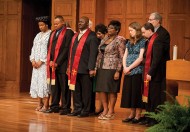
(151,19)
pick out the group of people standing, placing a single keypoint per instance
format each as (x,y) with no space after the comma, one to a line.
(86,62)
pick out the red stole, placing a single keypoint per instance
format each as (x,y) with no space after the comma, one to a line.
(72,71)
(147,67)
(57,47)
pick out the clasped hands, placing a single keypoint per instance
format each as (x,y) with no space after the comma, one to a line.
(36,64)
(126,70)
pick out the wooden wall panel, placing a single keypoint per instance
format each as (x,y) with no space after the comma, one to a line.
(66,8)
(1,50)
(178,6)
(187,39)
(11,49)
(114,10)
(155,5)
(100,11)
(134,12)
(87,8)
(134,8)
(177,37)
(2,7)
(178,25)
(12,7)
(10,34)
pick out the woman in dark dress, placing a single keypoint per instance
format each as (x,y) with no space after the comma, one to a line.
(109,68)
(132,68)
(101,31)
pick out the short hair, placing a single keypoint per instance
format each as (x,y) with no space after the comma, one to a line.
(137,27)
(86,19)
(116,24)
(148,26)
(59,17)
(101,28)
(157,16)
(45,19)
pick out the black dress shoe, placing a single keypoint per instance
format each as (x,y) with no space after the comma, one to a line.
(127,119)
(135,121)
(74,114)
(144,122)
(150,124)
(64,112)
(83,115)
(52,111)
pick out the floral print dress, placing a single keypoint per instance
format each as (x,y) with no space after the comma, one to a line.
(39,87)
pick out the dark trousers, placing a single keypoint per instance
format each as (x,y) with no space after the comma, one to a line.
(93,99)
(82,96)
(61,89)
(155,96)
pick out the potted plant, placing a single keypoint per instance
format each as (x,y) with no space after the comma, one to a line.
(171,117)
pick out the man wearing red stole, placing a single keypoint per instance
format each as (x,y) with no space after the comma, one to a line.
(83,52)
(57,60)
(154,70)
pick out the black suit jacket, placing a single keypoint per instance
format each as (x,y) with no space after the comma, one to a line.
(88,55)
(164,37)
(62,58)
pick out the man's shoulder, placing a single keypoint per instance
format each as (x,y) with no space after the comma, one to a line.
(161,30)
(92,33)
(69,30)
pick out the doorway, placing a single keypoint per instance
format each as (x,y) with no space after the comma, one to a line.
(30,10)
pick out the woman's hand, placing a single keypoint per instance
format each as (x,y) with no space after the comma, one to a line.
(34,64)
(116,75)
(91,73)
(38,64)
(126,70)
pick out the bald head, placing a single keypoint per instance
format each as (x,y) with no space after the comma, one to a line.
(83,23)
(85,18)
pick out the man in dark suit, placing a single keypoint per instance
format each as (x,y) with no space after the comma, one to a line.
(154,70)
(163,35)
(83,52)
(57,60)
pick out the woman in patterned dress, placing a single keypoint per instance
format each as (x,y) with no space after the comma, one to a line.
(39,88)
(132,68)
(109,69)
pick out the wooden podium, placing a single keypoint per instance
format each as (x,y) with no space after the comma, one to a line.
(179,71)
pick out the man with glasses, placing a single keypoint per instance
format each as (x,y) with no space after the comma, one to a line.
(163,35)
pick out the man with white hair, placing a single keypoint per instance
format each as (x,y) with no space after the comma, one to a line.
(163,35)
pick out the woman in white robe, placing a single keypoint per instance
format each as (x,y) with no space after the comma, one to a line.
(39,88)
